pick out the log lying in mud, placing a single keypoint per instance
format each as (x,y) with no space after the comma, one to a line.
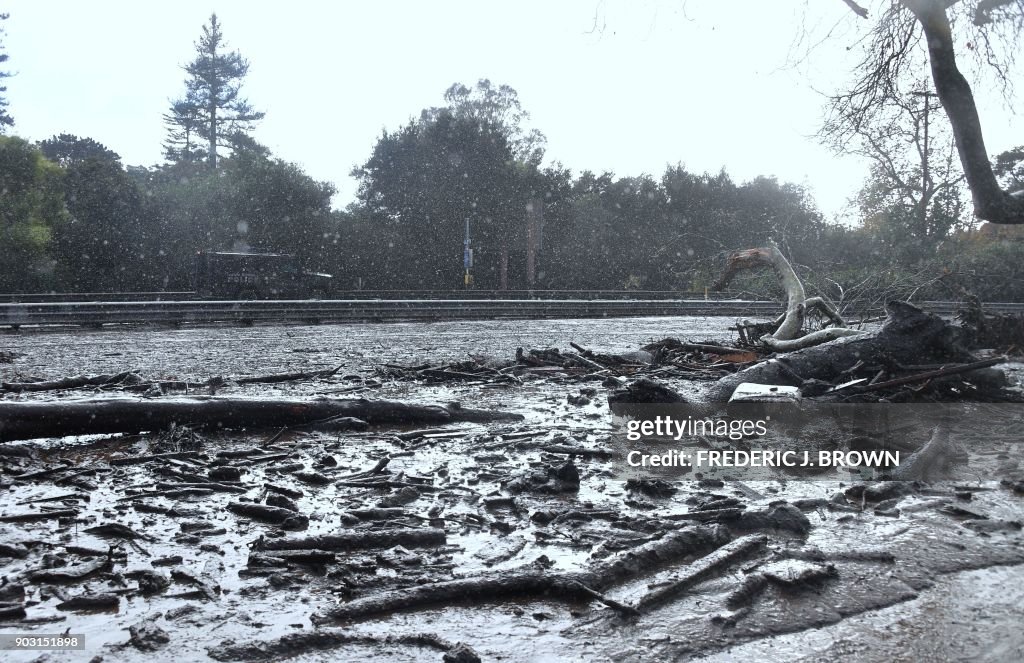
(408,538)
(909,336)
(29,420)
(124,378)
(295,644)
(284,518)
(703,568)
(39,515)
(532,581)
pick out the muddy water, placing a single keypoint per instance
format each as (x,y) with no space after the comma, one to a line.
(947,591)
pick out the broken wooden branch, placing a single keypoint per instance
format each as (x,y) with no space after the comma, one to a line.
(39,515)
(531,581)
(283,518)
(139,460)
(288,377)
(942,372)
(621,608)
(409,538)
(702,569)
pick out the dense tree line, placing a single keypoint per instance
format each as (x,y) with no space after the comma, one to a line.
(74,218)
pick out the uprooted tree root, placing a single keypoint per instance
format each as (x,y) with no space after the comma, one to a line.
(788,327)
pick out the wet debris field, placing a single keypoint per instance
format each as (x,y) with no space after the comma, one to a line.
(466,540)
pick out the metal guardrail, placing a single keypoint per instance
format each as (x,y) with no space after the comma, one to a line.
(101,313)
(249,312)
(185,295)
(39,297)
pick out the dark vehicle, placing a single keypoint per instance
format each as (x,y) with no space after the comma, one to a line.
(257,276)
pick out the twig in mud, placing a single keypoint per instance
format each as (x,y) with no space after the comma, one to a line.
(387,484)
(70,573)
(274,438)
(621,608)
(119,531)
(376,469)
(942,372)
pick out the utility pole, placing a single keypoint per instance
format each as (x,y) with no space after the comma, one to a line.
(534,238)
(925,174)
(467,259)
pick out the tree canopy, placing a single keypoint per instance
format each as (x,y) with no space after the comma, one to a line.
(31,207)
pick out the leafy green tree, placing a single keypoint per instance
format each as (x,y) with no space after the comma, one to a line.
(890,206)
(212,110)
(186,212)
(31,207)
(498,108)
(274,206)
(368,252)
(67,149)
(1009,168)
(184,142)
(471,160)
(5,118)
(103,245)
(252,201)
(432,175)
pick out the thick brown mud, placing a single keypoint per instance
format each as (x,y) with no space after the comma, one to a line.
(934,575)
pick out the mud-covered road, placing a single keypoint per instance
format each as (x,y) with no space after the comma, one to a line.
(930,574)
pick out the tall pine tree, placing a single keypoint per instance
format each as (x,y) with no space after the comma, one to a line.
(5,118)
(211,112)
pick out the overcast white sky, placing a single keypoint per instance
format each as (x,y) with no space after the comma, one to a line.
(708,84)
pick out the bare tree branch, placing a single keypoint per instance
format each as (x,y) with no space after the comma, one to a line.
(990,201)
(857,9)
(983,12)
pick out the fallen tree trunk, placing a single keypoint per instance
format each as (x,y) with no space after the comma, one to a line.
(909,336)
(29,420)
(571,585)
